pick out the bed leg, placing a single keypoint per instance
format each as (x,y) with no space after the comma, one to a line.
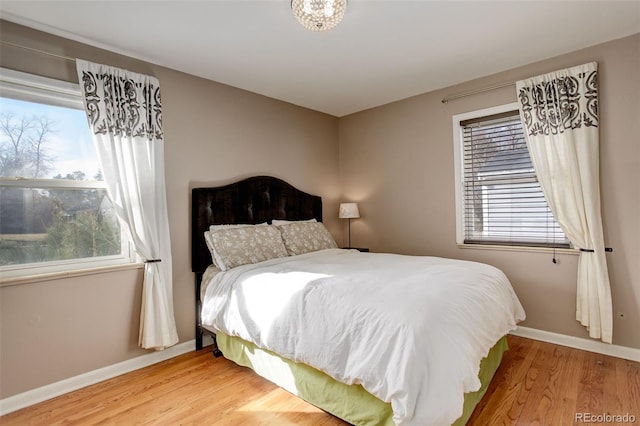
(199,330)
(199,337)
(217,353)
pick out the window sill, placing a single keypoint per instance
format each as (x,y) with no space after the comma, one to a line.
(28,279)
(569,251)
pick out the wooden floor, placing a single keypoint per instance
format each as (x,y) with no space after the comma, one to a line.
(537,384)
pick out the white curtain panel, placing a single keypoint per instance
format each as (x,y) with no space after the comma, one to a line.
(125,117)
(559,111)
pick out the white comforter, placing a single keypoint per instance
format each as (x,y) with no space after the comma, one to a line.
(411,330)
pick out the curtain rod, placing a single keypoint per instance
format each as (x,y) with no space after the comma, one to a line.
(475,92)
(42,52)
(445,100)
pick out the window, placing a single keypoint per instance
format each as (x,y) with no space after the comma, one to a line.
(55,214)
(499,199)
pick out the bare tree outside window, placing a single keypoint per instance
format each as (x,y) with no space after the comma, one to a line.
(23,150)
(46,217)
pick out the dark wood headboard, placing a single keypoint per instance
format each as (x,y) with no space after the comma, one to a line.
(254,200)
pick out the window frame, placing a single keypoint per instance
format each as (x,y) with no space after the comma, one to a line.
(37,89)
(459,170)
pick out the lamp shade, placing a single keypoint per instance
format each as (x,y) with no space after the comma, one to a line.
(349,211)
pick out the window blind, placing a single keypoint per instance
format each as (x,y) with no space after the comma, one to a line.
(504,203)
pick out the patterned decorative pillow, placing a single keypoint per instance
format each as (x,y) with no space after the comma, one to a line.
(232,247)
(304,237)
(216,228)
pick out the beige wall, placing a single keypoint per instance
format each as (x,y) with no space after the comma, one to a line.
(397,162)
(214,134)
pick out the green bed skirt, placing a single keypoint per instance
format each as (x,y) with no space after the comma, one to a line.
(351,403)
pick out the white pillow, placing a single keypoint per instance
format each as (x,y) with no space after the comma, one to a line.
(286,222)
(214,228)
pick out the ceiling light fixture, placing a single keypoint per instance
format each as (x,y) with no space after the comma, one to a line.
(319,15)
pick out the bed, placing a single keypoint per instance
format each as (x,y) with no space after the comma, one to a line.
(360,335)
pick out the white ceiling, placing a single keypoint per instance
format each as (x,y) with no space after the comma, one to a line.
(381,52)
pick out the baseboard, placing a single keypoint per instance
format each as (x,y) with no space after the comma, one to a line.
(596,346)
(25,399)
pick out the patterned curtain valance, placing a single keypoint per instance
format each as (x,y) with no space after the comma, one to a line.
(121,102)
(560,101)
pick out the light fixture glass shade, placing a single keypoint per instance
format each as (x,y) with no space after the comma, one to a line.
(319,15)
(349,211)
